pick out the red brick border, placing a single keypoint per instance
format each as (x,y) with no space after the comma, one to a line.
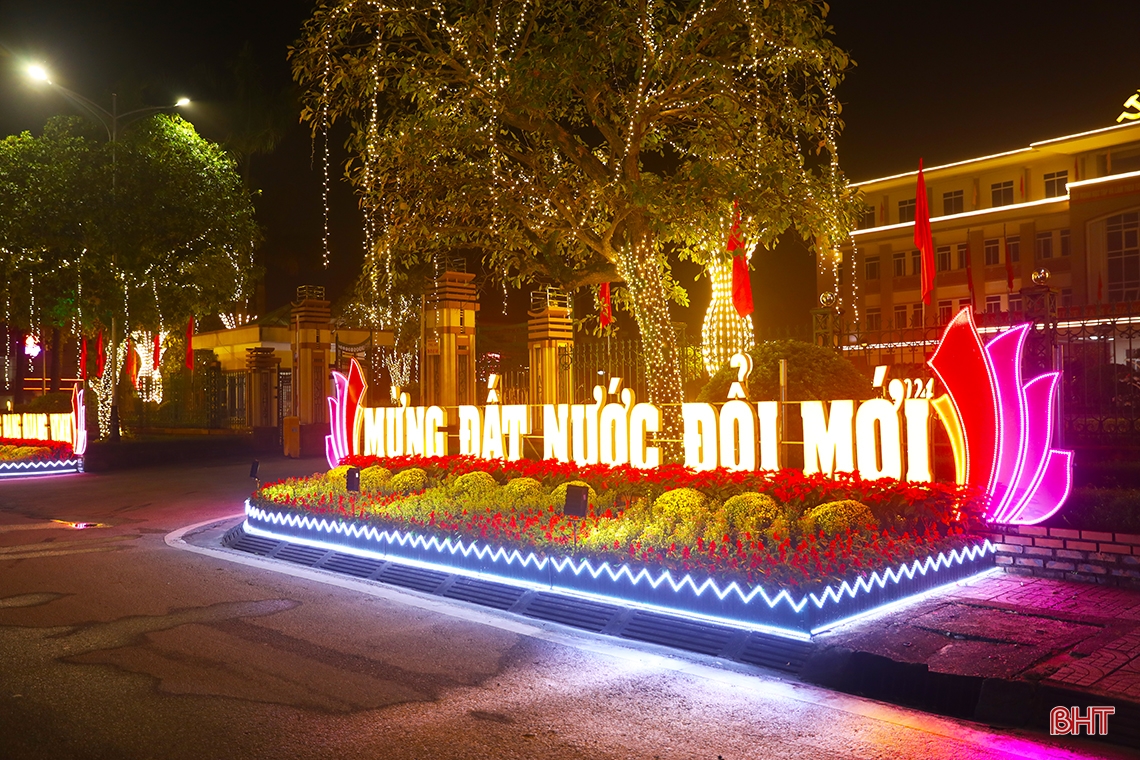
(1063,553)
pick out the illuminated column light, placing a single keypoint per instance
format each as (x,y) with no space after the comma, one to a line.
(724,332)
(149,386)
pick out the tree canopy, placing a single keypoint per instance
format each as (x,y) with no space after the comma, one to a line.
(150,230)
(582,141)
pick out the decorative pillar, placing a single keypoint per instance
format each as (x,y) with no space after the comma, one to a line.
(312,334)
(825,321)
(447,338)
(261,395)
(549,332)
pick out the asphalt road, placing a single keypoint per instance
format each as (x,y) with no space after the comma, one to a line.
(121,642)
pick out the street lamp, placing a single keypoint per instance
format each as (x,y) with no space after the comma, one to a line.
(110,120)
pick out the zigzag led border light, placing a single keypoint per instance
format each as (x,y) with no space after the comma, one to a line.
(560,564)
(38,467)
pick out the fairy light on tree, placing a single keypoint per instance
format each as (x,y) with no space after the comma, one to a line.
(582,142)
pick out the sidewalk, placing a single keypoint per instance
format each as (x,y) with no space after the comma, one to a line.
(1002,649)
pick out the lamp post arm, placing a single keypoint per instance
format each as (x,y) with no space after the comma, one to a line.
(110,121)
(102,115)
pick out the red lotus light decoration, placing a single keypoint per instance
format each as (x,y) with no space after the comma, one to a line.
(1005,423)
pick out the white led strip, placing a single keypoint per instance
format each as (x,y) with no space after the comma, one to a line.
(39,467)
(560,564)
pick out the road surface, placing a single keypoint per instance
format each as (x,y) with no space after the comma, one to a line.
(124,641)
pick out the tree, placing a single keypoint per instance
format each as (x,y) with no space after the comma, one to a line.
(583,140)
(147,231)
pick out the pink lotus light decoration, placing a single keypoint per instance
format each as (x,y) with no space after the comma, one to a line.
(1007,423)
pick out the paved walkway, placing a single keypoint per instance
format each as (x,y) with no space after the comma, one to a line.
(1013,645)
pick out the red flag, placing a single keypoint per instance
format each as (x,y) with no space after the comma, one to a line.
(1023,187)
(606,315)
(83,360)
(100,357)
(741,281)
(190,343)
(923,240)
(1008,261)
(1076,170)
(157,352)
(132,364)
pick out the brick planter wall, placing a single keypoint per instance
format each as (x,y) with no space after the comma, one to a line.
(1075,555)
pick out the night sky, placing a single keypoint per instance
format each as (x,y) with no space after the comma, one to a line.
(944,81)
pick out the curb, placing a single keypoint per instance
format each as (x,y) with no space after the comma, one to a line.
(995,701)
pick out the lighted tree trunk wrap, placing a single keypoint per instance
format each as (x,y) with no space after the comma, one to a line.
(642,275)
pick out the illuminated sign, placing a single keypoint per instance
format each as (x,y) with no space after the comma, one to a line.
(66,427)
(1000,428)
(1133,102)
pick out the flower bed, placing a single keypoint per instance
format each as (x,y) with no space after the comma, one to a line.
(26,456)
(718,543)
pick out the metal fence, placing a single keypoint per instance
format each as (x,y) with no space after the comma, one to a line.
(1097,350)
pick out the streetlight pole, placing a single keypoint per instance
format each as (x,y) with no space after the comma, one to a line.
(110,121)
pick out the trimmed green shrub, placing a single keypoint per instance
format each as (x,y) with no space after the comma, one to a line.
(474,485)
(335,478)
(814,372)
(680,516)
(518,488)
(409,480)
(836,517)
(750,513)
(374,478)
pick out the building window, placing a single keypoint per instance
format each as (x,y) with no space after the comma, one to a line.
(1044,245)
(963,254)
(899,260)
(873,268)
(952,203)
(1066,245)
(1066,297)
(900,317)
(1013,247)
(1001,193)
(1056,184)
(964,303)
(916,315)
(993,304)
(867,220)
(916,262)
(1015,303)
(942,259)
(906,211)
(1123,248)
(993,252)
(945,311)
(874,320)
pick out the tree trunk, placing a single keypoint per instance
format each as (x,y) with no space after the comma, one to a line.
(642,275)
(56,358)
(21,362)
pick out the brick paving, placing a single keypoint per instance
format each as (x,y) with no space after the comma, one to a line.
(1111,668)
(1101,656)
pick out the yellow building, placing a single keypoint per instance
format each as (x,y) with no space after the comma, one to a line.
(1070,205)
